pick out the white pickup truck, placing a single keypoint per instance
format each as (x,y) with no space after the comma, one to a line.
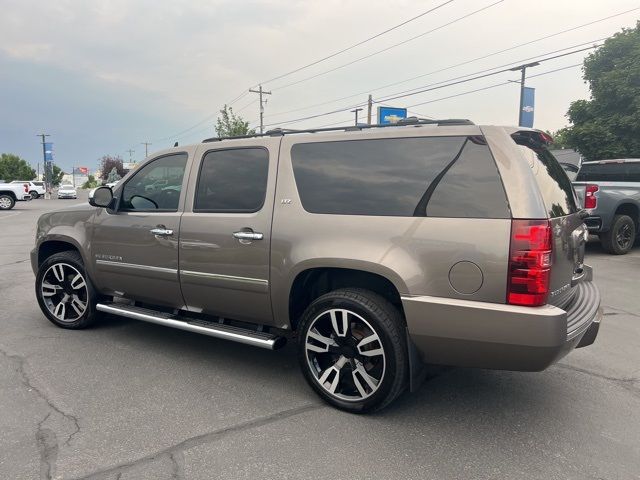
(10,193)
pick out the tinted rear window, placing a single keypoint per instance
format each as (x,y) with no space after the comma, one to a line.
(609,172)
(409,177)
(554,185)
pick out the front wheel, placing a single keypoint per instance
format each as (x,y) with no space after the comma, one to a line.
(352,350)
(34,194)
(6,202)
(64,291)
(620,237)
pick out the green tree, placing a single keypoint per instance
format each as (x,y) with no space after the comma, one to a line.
(559,139)
(56,176)
(12,167)
(231,125)
(90,183)
(608,125)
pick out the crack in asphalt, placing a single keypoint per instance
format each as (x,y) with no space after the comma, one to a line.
(177,458)
(629,383)
(175,452)
(48,447)
(623,311)
(13,263)
(26,381)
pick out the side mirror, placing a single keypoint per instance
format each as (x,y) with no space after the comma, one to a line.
(101,197)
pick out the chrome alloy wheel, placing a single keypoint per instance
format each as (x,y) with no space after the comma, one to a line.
(345,355)
(64,292)
(5,203)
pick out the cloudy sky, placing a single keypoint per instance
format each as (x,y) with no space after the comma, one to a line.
(102,76)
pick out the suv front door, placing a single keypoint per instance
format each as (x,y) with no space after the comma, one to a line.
(225,235)
(135,248)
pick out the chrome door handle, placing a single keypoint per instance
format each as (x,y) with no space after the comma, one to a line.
(243,235)
(161,231)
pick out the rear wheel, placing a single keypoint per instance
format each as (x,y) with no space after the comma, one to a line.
(352,350)
(620,237)
(33,194)
(64,291)
(6,202)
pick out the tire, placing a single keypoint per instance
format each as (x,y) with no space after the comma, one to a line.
(334,357)
(34,195)
(620,237)
(7,202)
(65,300)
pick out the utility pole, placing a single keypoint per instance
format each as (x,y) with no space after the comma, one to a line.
(369,107)
(130,153)
(523,70)
(261,92)
(146,148)
(356,112)
(47,180)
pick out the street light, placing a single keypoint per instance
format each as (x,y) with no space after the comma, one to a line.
(356,112)
(523,69)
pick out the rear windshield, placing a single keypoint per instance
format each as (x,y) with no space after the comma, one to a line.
(609,172)
(553,182)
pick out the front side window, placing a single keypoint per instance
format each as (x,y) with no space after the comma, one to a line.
(407,177)
(232,181)
(156,186)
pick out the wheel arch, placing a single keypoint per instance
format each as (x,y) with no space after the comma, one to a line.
(51,246)
(631,209)
(10,193)
(313,282)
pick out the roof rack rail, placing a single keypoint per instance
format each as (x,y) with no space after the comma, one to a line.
(410,121)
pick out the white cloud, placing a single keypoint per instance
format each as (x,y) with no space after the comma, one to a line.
(198,54)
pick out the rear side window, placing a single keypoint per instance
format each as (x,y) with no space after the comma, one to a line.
(609,172)
(408,177)
(553,183)
(232,181)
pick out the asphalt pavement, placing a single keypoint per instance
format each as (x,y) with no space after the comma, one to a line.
(128,400)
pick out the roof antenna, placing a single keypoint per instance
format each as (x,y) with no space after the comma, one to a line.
(175,144)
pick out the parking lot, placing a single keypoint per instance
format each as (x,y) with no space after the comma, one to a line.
(129,400)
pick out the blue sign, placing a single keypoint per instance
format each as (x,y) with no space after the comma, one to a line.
(528,107)
(391,115)
(48,152)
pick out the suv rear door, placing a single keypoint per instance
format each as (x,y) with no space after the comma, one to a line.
(225,236)
(568,230)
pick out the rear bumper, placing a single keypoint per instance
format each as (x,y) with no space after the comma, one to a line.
(498,336)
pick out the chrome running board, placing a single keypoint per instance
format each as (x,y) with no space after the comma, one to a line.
(203,327)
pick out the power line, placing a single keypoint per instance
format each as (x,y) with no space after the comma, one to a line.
(477,76)
(388,48)
(438,71)
(355,44)
(431,87)
(508,82)
(520,45)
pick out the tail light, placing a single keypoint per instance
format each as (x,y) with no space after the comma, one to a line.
(529,262)
(26,187)
(590,199)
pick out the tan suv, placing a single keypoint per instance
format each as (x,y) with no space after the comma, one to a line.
(380,248)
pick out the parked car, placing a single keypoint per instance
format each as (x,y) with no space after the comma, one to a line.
(10,193)
(36,189)
(382,248)
(67,191)
(610,192)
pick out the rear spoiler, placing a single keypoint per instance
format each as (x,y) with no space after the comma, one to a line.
(534,138)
